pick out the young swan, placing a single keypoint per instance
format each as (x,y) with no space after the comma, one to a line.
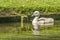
(40,21)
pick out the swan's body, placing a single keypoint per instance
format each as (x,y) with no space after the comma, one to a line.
(46,21)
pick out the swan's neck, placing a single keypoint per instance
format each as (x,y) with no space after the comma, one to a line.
(35,19)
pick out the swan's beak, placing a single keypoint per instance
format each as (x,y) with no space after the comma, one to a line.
(32,16)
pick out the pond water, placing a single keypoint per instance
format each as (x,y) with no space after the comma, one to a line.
(10,31)
(15,27)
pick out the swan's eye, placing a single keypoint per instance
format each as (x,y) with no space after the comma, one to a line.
(35,13)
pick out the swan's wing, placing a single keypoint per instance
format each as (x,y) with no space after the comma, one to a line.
(42,18)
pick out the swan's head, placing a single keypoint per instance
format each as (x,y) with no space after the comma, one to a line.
(36,14)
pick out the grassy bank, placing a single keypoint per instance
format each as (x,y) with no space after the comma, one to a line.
(29,6)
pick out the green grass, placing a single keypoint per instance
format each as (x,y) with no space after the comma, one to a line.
(29,3)
(29,6)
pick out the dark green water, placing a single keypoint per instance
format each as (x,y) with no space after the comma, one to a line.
(14,27)
(13,31)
